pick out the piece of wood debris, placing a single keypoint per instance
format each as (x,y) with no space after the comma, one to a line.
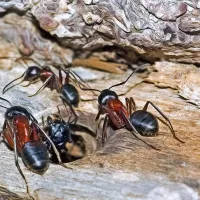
(93,62)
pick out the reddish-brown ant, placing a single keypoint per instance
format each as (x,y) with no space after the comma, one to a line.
(22,133)
(141,121)
(69,93)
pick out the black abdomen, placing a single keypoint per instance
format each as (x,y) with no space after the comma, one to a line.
(145,123)
(35,156)
(70,93)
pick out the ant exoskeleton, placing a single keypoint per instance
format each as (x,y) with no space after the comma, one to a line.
(22,133)
(141,121)
(60,132)
(69,93)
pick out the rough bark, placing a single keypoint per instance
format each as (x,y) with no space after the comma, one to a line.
(151,29)
(125,168)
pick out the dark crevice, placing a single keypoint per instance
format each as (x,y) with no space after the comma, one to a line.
(80,145)
(8,195)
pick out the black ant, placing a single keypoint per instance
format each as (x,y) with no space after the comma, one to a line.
(69,93)
(141,122)
(61,134)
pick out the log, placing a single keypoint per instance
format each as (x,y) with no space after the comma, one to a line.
(125,168)
(58,33)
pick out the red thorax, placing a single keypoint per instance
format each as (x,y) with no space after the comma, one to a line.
(25,132)
(116,110)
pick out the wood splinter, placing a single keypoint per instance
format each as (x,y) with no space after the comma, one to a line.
(94,62)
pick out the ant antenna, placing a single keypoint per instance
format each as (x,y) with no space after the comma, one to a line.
(5,89)
(91,89)
(6,101)
(122,83)
(3,107)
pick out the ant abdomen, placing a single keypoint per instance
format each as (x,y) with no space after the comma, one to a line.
(35,156)
(145,123)
(70,94)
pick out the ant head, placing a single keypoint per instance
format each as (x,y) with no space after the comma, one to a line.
(106,95)
(16,110)
(32,73)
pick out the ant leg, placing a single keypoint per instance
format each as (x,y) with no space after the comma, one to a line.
(165,117)
(54,147)
(67,72)
(60,76)
(98,114)
(69,119)
(33,118)
(43,124)
(72,110)
(30,83)
(2,133)
(15,151)
(74,74)
(59,113)
(75,80)
(144,141)
(3,137)
(42,87)
(104,133)
(67,75)
(97,122)
(130,105)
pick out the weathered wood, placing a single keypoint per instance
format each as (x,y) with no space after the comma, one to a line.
(124,168)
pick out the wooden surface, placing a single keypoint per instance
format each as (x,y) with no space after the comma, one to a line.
(124,168)
(130,31)
(148,29)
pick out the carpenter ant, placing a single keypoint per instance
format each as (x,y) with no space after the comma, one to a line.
(60,132)
(140,122)
(22,133)
(69,93)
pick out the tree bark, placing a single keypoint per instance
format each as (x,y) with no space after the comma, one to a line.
(125,168)
(151,29)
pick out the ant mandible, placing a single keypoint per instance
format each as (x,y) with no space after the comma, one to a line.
(141,121)
(22,133)
(69,93)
